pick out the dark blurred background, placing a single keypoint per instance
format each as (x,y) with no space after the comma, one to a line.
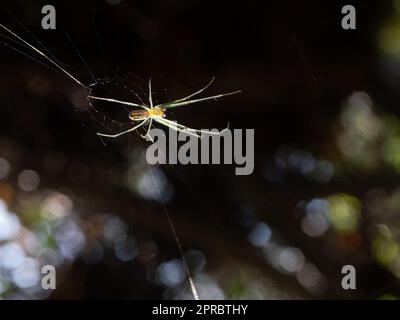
(324,193)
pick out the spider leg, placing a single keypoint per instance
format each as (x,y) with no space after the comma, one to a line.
(148,131)
(187,129)
(184,103)
(150,95)
(173,126)
(123,132)
(118,101)
(194,94)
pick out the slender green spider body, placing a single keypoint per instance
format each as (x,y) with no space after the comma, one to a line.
(146,114)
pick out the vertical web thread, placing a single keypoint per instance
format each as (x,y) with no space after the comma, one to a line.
(174,233)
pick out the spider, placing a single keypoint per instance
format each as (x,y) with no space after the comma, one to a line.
(158,113)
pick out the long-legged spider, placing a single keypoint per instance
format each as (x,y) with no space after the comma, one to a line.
(158,113)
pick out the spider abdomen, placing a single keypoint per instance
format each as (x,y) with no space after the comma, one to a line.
(139,115)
